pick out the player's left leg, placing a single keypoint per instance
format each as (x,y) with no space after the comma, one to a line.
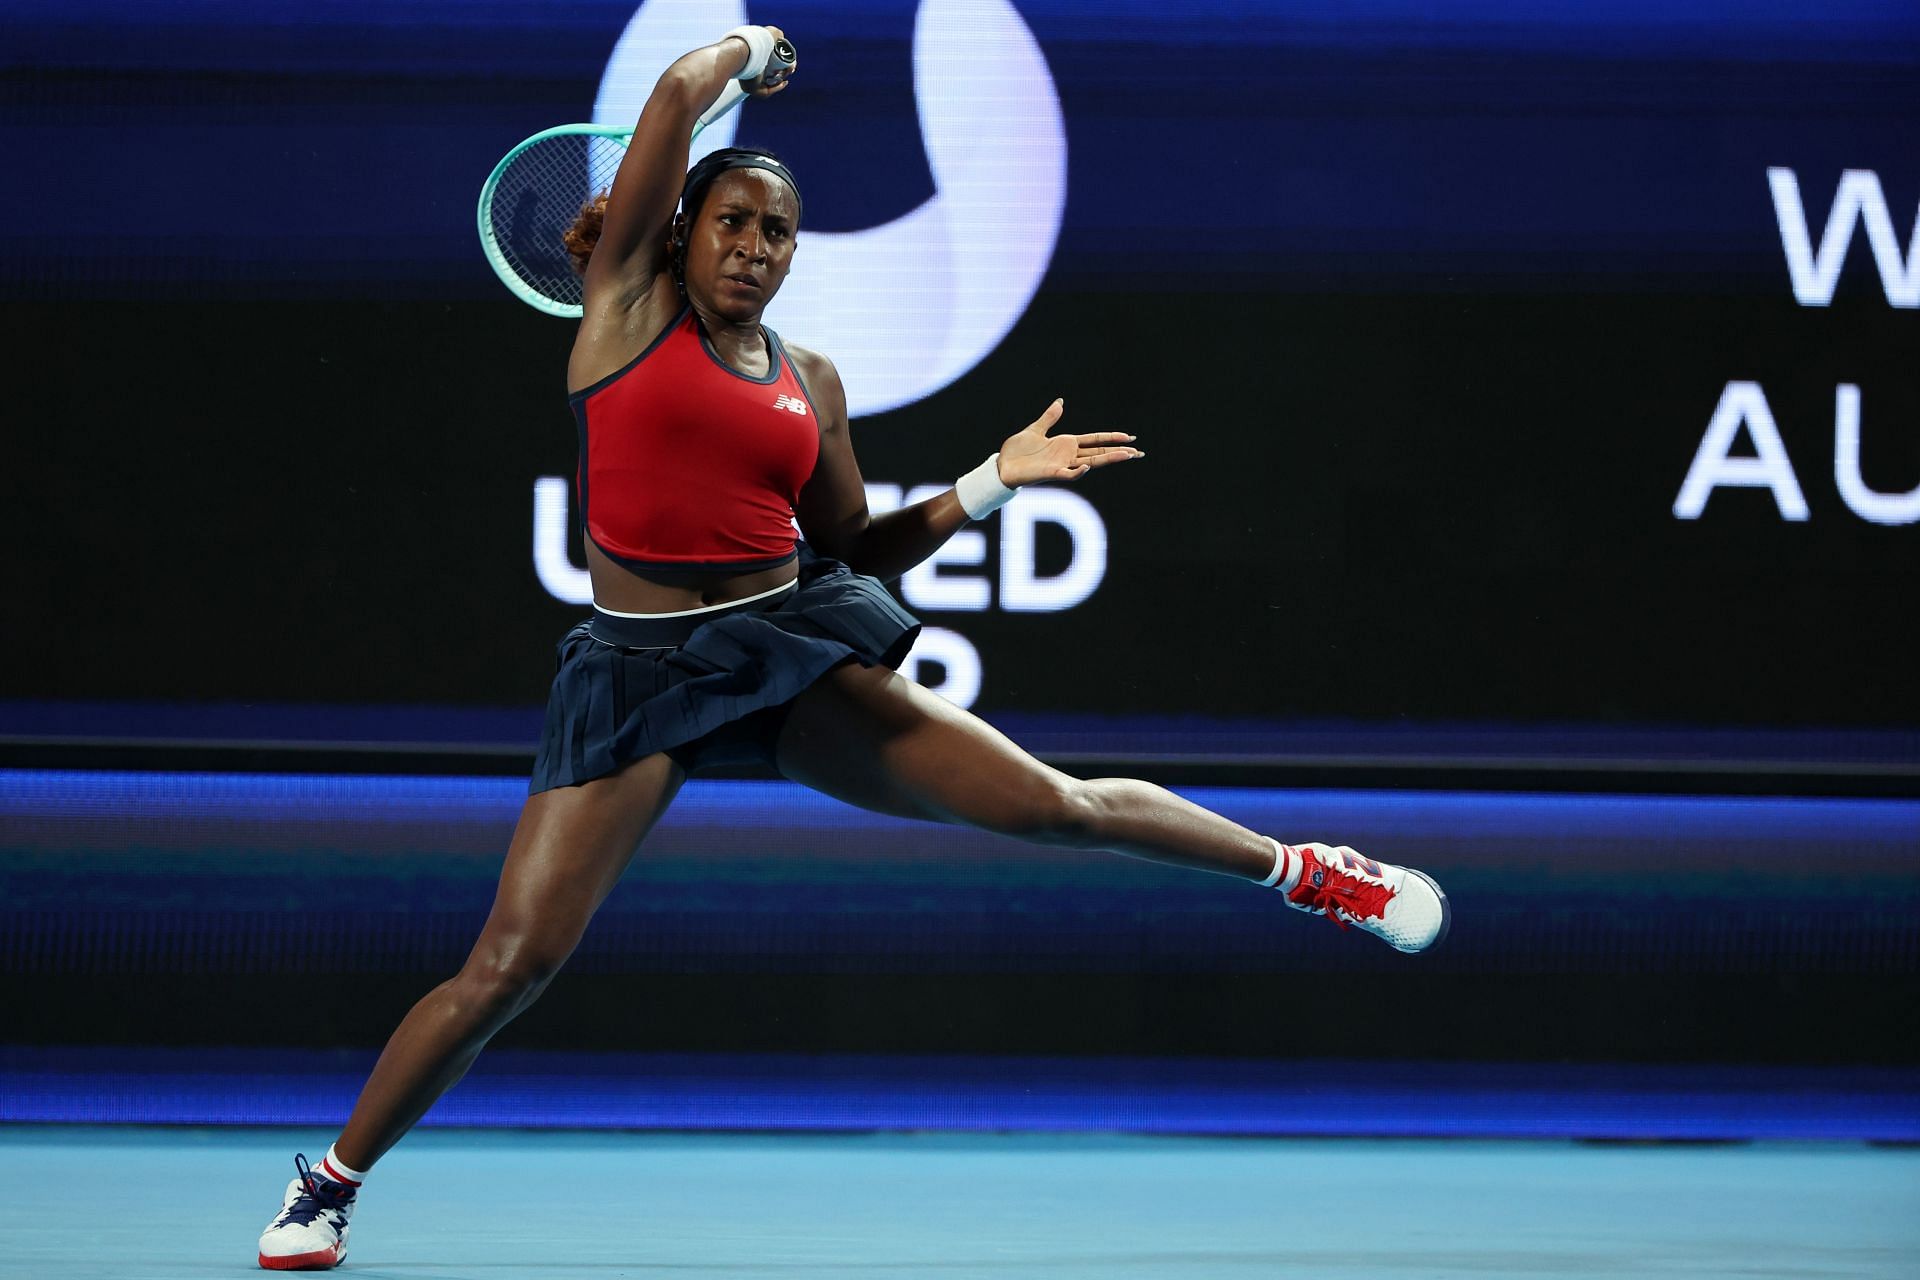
(877,740)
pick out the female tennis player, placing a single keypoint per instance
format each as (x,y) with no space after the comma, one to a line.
(715,639)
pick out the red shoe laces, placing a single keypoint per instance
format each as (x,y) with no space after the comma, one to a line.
(1340,892)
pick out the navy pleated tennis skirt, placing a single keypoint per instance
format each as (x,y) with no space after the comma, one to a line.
(709,690)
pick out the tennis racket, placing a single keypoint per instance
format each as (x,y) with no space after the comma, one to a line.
(536,191)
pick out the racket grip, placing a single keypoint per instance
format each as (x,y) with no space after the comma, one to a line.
(730,97)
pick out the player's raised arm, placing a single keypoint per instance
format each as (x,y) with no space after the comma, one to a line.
(633,241)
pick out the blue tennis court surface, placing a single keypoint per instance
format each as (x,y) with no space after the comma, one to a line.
(89,1203)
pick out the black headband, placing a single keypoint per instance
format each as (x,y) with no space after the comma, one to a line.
(711,166)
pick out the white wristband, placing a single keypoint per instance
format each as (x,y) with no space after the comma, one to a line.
(980,491)
(759,49)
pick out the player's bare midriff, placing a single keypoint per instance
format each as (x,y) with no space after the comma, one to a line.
(619,588)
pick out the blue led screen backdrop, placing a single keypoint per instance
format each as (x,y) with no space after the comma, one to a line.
(1492,366)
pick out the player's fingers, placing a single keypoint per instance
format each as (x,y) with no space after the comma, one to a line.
(1105,437)
(772,84)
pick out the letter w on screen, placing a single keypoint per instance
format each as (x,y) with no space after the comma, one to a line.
(1859,199)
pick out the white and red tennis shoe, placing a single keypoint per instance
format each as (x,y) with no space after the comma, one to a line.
(1399,905)
(311,1232)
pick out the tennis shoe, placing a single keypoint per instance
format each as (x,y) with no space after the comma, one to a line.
(311,1232)
(1399,905)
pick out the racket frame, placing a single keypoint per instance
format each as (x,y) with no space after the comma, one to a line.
(730,97)
(490,245)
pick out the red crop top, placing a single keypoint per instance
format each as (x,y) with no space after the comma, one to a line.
(686,463)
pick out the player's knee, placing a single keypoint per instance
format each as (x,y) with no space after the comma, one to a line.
(503,977)
(1057,810)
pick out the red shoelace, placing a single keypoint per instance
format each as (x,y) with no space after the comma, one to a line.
(1339,892)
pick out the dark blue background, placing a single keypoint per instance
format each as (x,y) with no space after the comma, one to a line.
(202,147)
(763,917)
(1425,307)
(1421,308)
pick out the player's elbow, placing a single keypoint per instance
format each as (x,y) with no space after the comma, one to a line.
(845,542)
(682,82)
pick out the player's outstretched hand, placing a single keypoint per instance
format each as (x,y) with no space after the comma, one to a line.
(1031,456)
(768,85)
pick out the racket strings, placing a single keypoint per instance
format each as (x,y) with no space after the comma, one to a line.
(538,197)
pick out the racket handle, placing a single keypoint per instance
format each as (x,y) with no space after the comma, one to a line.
(730,97)
(783,57)
(735,93)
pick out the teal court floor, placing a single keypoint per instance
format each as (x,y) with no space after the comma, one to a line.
(184,1203)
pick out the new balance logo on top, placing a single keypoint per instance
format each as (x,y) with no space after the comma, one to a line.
(792,404)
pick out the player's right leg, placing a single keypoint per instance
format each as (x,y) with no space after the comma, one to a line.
(570,847)
(875,739)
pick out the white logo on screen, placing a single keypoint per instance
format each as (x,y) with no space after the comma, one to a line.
(906,307)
